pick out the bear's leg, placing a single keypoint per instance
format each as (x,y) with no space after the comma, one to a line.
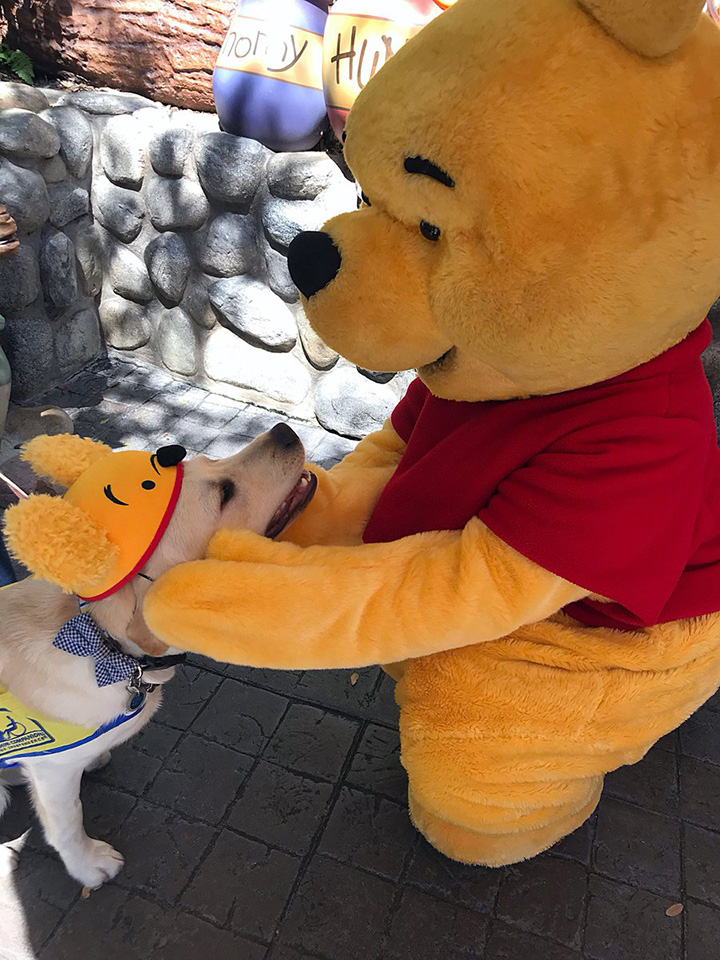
(477,847)
(506,744)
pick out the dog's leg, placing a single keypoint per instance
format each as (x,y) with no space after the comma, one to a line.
(99,762)
(56,793)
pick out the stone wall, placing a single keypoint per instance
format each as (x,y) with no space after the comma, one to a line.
(146,229)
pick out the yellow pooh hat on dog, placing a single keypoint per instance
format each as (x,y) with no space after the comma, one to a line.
(100,534)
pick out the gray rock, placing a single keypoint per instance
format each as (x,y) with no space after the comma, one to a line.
(377,376)
(229,359)
(57,272)
(197,301)
(199,123)
(176,338)
(300,176)
(125,325)
(349,404)
(168,263)
(30,346)
(89,255)
(229,247)
(25,195)
(316,350)
(22,97)
(78,340)
(401,381)
(122,151)
(53,170)
(18,280)
(285,219)
(278,276)
(99,102)
(67,203)
(128,275)
(76,142)
(120,211)
(169,151)
(176,204)
(53,96)
(255,312)
(24,134)
(230,167)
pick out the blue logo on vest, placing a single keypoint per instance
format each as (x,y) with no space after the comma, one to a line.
(16,735)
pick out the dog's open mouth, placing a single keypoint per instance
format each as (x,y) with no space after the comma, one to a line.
(293,504)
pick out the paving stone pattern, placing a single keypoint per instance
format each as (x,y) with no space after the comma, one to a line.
(263,815)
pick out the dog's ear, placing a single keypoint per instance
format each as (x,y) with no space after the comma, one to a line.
(63,458)
(653,28)
(59,542)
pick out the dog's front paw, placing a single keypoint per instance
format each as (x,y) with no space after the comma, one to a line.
(100,862)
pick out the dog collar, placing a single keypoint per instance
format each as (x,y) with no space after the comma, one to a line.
(82,637)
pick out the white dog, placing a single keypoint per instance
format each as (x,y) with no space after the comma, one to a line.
(262,489)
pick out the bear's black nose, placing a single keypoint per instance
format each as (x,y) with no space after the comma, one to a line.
(313,261)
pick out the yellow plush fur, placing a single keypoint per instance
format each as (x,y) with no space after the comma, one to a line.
(63,458)
(580,239)
(581,236)
(59,542)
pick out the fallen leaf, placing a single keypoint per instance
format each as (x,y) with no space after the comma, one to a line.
(675,910)
(354,677)
(85,893)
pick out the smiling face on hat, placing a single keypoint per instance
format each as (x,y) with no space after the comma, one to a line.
(132,496)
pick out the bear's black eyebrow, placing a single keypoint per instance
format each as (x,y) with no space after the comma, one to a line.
(426,168)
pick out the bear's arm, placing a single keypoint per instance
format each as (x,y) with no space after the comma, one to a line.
(277,605)
(347,494)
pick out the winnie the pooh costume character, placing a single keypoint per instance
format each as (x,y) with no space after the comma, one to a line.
(532,542)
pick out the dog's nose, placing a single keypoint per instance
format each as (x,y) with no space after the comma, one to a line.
(313,261)
(284,435)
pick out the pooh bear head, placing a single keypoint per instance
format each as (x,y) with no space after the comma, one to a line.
(541,184)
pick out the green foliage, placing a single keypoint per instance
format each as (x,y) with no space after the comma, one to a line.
(17,62)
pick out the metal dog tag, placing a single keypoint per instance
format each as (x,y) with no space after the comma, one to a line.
(136,689)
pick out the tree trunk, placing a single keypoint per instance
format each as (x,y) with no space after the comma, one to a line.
(163,49)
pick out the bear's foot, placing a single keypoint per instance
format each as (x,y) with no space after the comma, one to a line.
(497,849)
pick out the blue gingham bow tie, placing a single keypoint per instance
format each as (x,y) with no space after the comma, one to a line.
(82,637)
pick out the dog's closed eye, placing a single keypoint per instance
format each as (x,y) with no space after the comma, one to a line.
(227,492)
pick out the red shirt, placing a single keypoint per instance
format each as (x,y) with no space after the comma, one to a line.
(614,487)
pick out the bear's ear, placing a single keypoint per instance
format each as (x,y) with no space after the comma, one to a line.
(652,28)
(64,457)
(57,541)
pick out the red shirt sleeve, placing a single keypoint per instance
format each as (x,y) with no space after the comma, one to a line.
(611,508)
(405,415)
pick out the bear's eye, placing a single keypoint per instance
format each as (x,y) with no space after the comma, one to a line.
(430,231)
(363,199)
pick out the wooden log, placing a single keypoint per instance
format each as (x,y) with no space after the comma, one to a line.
(163,49)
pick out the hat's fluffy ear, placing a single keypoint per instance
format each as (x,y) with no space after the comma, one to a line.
(64,457)
(653,28)
(57,541)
